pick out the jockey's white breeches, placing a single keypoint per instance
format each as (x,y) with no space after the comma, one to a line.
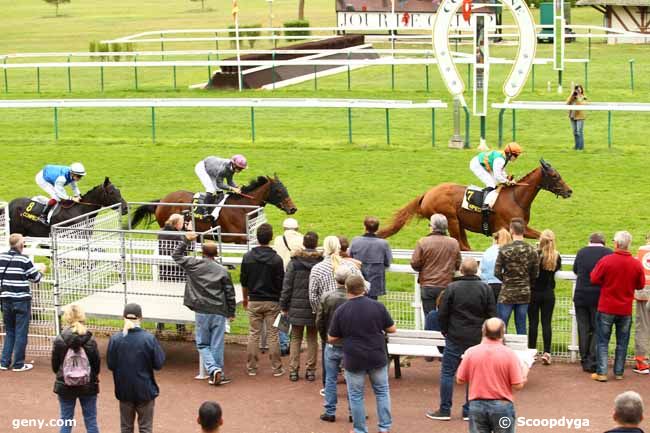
(482,173)
(48,187)
(205,178)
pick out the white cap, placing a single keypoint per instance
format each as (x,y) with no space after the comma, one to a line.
(290,224)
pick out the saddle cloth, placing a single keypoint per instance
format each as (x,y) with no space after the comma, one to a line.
(473,198)
(199,199)
(35,208)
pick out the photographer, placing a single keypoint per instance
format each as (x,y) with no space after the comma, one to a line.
(577,117)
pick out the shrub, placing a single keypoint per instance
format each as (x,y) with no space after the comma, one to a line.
(244,33)
(296,23)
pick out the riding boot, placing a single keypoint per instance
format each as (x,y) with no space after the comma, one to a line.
(207,211)
(42,218)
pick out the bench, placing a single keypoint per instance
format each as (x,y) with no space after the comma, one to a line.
(407,342)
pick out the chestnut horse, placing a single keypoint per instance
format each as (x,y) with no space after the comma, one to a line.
(260,191)
(513,201)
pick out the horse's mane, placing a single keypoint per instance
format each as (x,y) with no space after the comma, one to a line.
(254,184)
(522,179)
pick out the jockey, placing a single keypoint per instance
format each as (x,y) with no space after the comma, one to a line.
(54,178)
(212,172)
(490,166)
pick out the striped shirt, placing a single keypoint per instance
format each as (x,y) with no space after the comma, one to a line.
(16,271)
(321,280)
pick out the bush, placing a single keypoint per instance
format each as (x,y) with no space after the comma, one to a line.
(296,23)
(243,33)
(98,47)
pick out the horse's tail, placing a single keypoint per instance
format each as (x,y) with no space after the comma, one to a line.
(145,213)
(401,217)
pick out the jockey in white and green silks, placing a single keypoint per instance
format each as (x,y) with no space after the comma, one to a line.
(490,166)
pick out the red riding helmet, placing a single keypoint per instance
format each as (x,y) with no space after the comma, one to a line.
(239,161)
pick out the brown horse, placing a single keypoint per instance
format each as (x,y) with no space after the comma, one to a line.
(260,191)
(513,201)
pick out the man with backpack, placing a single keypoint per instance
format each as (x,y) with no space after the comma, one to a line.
(76,363)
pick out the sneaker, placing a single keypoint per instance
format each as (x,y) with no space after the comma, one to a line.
(278,373)
(438,415)
(546,358)
(465,417)
(252,372)
(215,377)
(310,375)
(2,367)
(322,392)
(293,376)
(599,377)
(25,367)
(225,380)
(327,418)
(618,377)
(636,370)
(642,366)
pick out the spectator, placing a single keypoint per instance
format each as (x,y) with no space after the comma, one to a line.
(492,371)
(210,417)
(375,255)
(296,303)
(436,258)
(499,239)
(542,301)
(517,266)
(76,363)
(286,245)
(362,324)
(577,117)
(619,275)
(209,292)
(333,357)
(167,243)
(585,298)
(261,278)
(642,327)
(345,255)
(16,298)
(132,356)
(628,413)
(466,304)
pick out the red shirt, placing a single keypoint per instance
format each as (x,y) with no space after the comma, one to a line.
(619,275)
(491,369)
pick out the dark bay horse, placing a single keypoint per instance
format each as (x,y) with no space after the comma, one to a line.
(105,194)
(513,201)
(261,191)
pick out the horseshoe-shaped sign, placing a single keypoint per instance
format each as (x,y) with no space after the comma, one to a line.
(525,53)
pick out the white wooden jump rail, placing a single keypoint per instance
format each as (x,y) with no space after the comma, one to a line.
(407,342)
(609,107)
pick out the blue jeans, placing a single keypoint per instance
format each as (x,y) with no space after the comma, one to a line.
(210,330)
(332,361)
(504,311)
(88,408)
(578,127)
(15,316)
(450,362)
(491,416)
(604,324)
(356,384)
(284,341)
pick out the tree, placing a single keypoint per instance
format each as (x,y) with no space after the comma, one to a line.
(56,3)
(202,4)
(301,9)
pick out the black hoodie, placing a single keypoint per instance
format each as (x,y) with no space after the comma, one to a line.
(262,272)
(68,339)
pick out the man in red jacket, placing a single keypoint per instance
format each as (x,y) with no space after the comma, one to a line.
(619,275)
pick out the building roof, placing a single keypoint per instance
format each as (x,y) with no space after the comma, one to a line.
(613,3)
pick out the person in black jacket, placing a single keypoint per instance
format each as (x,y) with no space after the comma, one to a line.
(261,277)
(133,355)
(542,299)
(295,302)
(76,337)
(585,298)
(466,304)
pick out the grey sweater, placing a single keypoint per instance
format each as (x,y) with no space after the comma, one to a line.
(209,289)
(220,169)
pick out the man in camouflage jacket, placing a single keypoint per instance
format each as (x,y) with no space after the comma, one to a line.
(517,266)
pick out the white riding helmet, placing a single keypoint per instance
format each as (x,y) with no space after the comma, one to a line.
(78,169)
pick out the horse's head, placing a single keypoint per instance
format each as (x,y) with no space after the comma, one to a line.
(106,194)
(553,182)
(279,196)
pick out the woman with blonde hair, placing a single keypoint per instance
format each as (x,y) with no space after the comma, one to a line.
(75,361)
(499,239)
(542,300)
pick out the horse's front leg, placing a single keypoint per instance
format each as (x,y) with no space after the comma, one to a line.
(531,233)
